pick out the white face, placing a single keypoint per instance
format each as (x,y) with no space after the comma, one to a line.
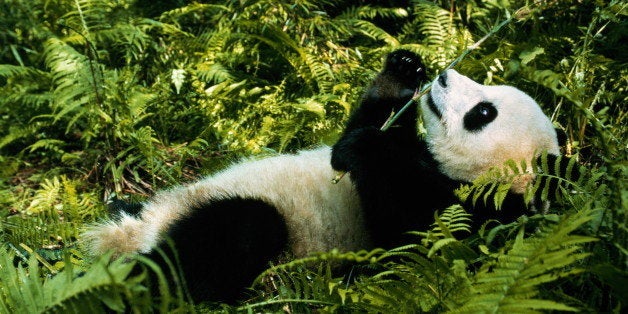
(473,127)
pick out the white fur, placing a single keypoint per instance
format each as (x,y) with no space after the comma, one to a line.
(320,215)
(520,131)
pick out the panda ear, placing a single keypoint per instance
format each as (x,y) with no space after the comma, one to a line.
(561,136)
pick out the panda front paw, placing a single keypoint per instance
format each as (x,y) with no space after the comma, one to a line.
(406,66)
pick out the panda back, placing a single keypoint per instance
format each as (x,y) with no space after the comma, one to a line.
(319,215)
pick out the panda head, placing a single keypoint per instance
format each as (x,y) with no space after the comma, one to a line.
(472,127)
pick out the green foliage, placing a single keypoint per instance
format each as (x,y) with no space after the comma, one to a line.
(103,285)
(510,279)
(434,276)
(53,215)
(563,178)
(129,96)
(442,40)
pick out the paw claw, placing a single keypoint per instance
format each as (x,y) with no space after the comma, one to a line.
(407,66)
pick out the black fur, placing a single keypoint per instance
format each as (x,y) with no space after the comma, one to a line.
(479,116)
(390,168)
(116,207)
(224,245)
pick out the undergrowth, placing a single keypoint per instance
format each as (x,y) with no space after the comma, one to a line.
(125,97)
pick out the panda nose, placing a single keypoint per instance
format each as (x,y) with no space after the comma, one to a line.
(442,79)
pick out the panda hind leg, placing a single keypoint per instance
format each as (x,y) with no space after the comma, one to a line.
(224,245)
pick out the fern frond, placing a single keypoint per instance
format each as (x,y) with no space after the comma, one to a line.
(16,133)
(74,80)
(512,283)
(307,283)
(438,26)
(24,291)
(370,12)
(375,32)
(555,178)
(453,218)
(441,34)
(88,15)
(8,70)
(321,72)
(333,256)
(214,73)
(562,178)
(418,284)
(52,216)
(174,15)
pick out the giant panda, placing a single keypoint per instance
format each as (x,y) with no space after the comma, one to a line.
(227,227)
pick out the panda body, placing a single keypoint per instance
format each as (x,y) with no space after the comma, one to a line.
(229,226)
(297,185)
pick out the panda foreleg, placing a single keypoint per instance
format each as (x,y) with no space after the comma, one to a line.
(393,87)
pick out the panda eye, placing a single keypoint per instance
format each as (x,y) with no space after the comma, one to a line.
(479,116)
(483,110)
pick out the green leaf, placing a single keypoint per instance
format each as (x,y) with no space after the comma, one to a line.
(529,55)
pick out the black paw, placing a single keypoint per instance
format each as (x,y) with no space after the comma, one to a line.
(406,66)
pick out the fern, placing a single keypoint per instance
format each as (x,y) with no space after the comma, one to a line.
(53,215)
(25,292)
(312,282)
(443,39)
(453,219)
(86,97)
(102,286)
(371,30)
(412,278)
(15,71)
(24,97)
(412,282)
(511,282)
(70,71)
(556,179)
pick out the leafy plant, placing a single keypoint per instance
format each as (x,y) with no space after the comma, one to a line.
(53,216)
(103,285)
(128,96)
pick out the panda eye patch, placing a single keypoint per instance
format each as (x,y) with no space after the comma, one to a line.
(479,116)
